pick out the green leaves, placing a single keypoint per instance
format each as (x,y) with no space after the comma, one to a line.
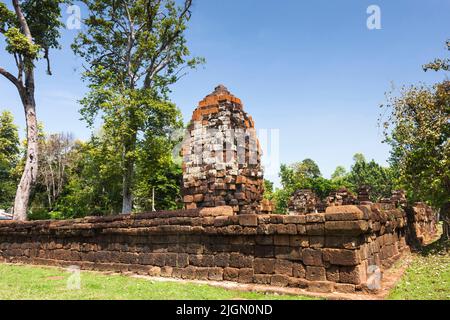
(9,158)
(418,130)
(7,18)
(17,43)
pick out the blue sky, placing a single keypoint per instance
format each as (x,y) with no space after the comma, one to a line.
(311,69)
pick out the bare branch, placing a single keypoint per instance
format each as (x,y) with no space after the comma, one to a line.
(13,79)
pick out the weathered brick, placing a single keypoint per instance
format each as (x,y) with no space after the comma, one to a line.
(316,242)
(264,265)
(321,286)
(250,220)
(294,219)
(333,273)
(279,280)
(344,288)
(283,267)
(230,274)
(346,227)
(315,273)
(299,241)
(352,275)
(312,257)
(215,274)
(238,260)
(315,217)
(348,212)
(315,229)
(222,259)
(298,270)
(245,275)
(262,278)
(281,240)
(341,257)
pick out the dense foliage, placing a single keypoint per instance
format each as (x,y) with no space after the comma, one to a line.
(306,175)
(9,158)
(418,130)
(134,50)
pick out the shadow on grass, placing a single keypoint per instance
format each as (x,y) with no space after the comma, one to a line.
(440,247)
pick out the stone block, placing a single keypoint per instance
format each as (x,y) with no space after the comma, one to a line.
(245,275)
(264,265)
(279,280)
(262,278)
(298,270)
(250,220)
(352,275)
(230,274)
(216,211)
(321,286)
(215,274)
(356,227)
(312,257)
(345,213)
(315,273)
(344,288)
(283,267)
(341,257)
(238,260)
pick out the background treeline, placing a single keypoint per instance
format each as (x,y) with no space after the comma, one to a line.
(79,178)
(307,175)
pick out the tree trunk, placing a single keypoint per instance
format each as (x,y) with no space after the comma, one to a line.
(31,162)
(445,214)
(127,200)
(128,163)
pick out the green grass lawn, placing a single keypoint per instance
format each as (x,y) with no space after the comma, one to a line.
(30,282)
(428,276)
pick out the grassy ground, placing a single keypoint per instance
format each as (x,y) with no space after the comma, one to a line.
(29,282)
(428,276)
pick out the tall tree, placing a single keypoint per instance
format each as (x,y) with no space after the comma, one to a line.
(30,30)
(418,130)
(134,50)
(55,157)
(378,178)
(9,157)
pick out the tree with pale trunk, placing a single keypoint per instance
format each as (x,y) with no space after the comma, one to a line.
(56,151)
(134,51)
(30,29)
(418,130)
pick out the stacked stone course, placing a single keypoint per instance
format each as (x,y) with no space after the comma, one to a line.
(321,252)
(423,223)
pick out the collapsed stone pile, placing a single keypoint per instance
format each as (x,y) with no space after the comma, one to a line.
(398,198)
(364,195)
(341,197)
(267,206)
(303,201)
(423,222)
(222,157)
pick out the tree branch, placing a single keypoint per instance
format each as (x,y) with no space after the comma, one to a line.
(22,20)
(13,79)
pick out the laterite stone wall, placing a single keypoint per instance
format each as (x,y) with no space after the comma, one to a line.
(322,252)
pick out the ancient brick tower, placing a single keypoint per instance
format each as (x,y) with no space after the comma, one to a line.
(221,156)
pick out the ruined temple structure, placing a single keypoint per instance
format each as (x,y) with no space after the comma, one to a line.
(222,156)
